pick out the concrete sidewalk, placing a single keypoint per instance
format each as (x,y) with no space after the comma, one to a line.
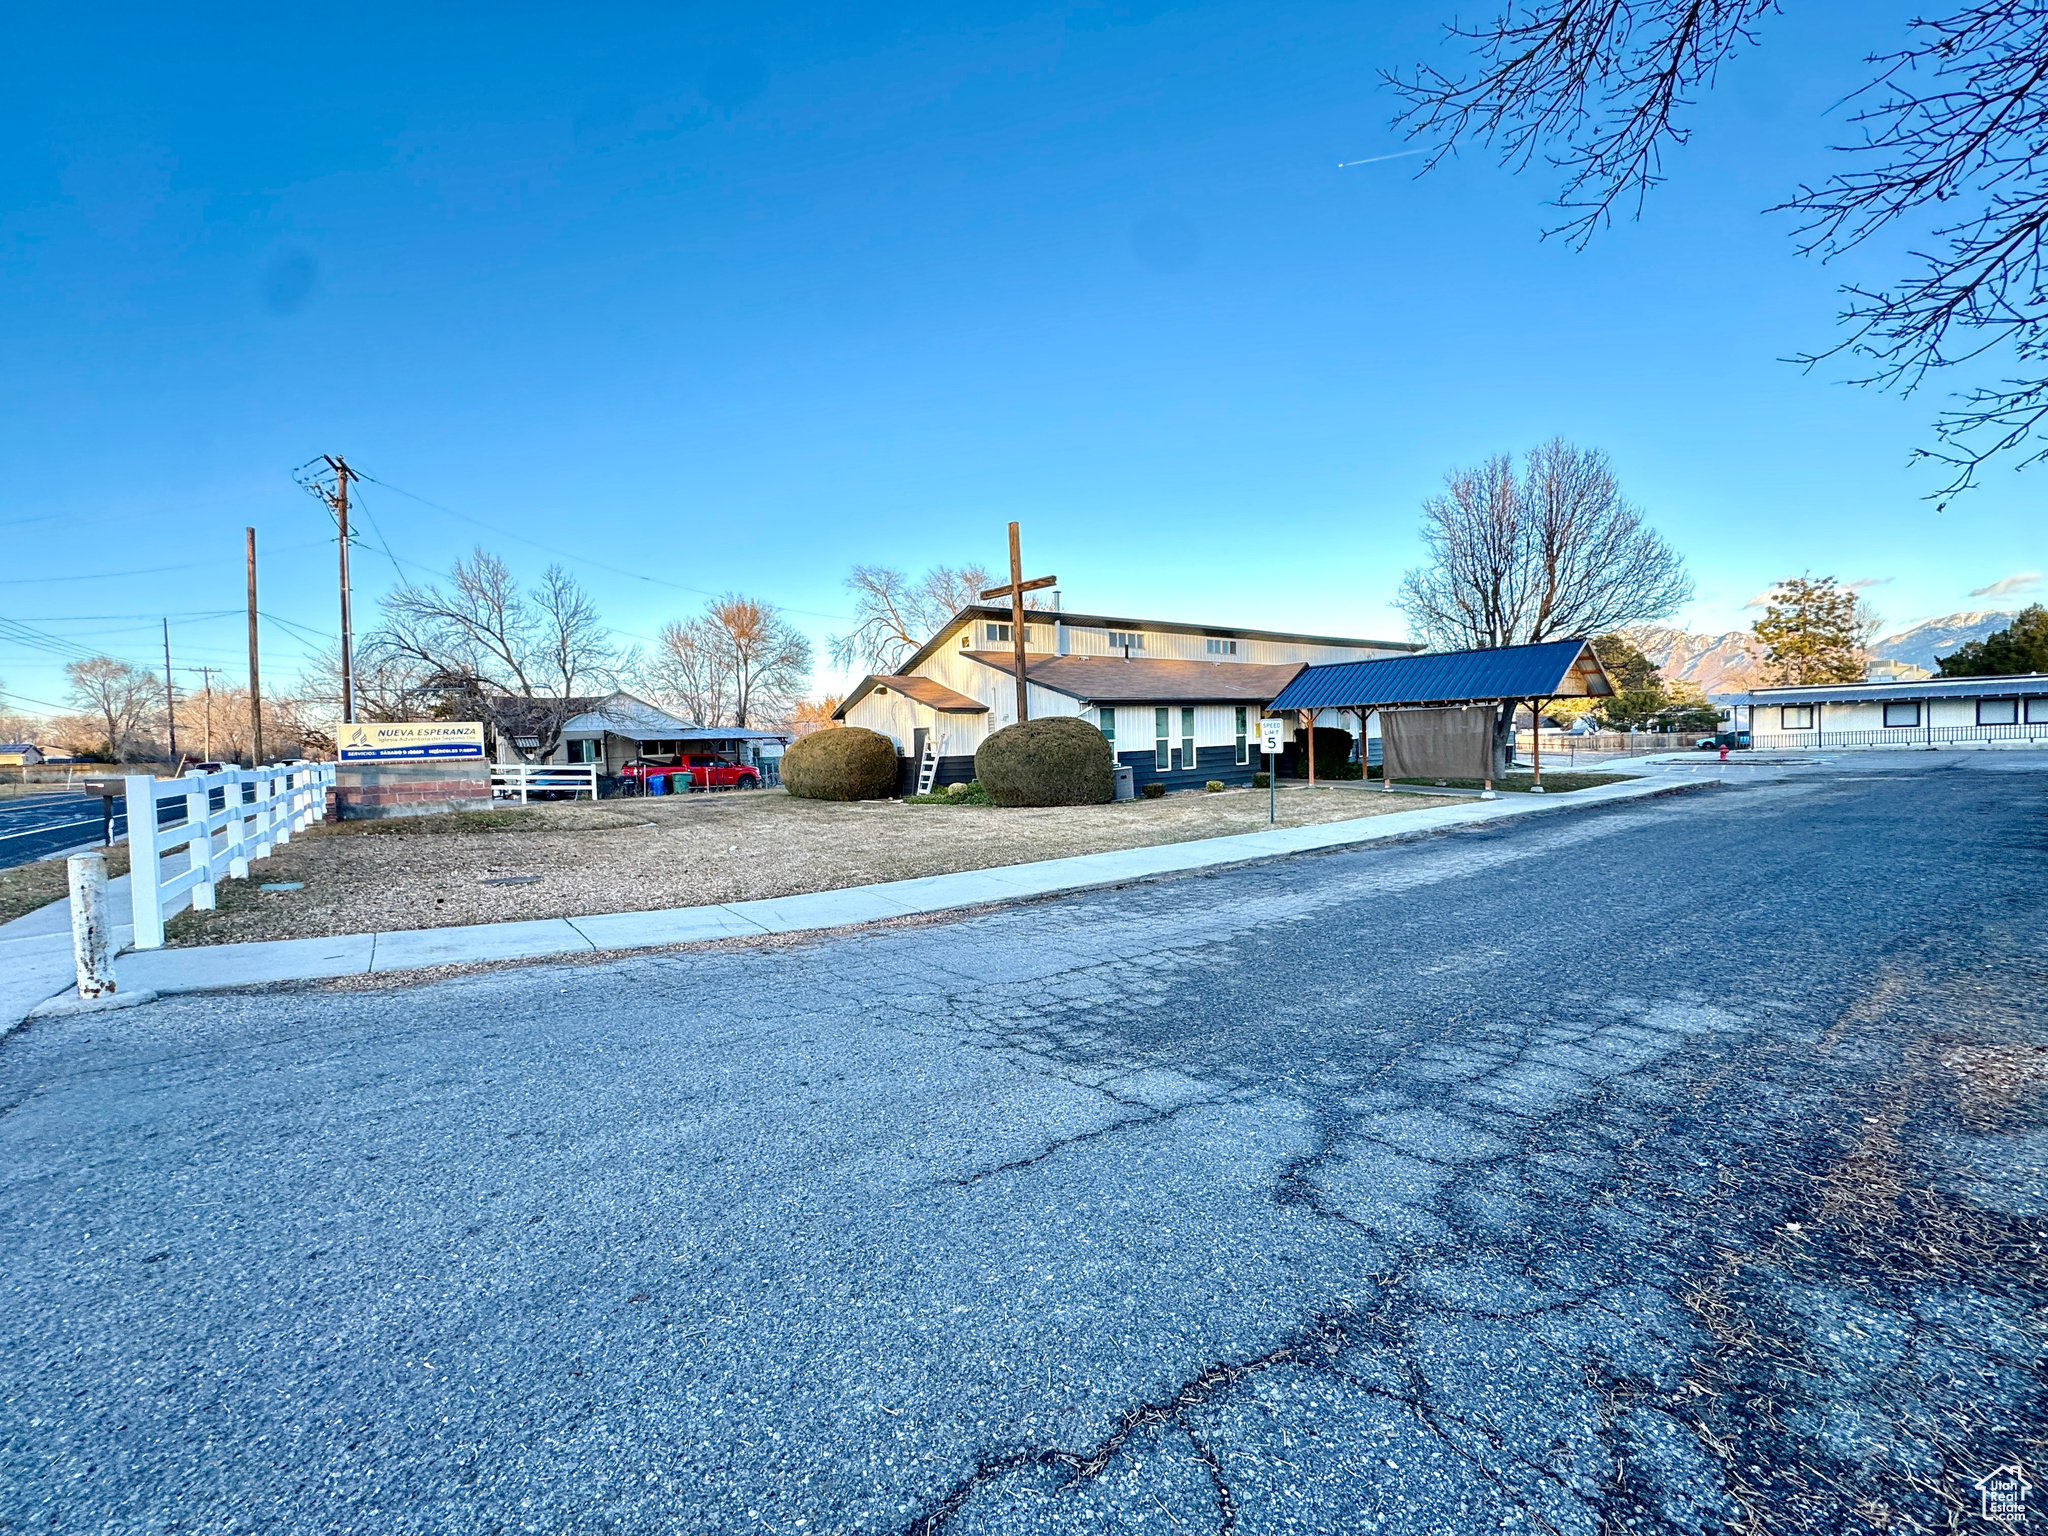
(35,951)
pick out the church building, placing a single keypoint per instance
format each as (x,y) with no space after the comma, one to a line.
(1180,703)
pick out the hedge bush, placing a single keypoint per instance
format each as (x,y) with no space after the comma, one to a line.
(1333,754)
(1262,781)
(1152,791)
(1215,786)
(844,763)
(1059,760)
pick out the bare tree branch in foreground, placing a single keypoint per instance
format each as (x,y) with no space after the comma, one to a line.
(1952,153)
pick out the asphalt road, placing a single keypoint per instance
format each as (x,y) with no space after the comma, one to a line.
(1676,1167)
(35,826)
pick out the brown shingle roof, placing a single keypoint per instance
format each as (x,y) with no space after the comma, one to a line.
(1153,680)
(927,691)
(930,691)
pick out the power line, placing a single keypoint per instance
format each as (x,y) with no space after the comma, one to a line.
(578,559)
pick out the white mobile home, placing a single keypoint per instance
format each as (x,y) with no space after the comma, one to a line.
(1879,712)
(1180,703)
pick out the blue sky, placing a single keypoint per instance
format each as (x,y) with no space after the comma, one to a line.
(711,299)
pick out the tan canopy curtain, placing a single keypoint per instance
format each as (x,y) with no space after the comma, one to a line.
(1438,743)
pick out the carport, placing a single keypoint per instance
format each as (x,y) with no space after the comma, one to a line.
(1438,710)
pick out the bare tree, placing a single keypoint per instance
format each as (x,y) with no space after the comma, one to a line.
(688,672)
(1955,124)
(737,663)
(1551,552)
(117,696)
(895,614)
(525,662)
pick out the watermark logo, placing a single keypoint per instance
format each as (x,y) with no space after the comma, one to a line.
(2004,1492)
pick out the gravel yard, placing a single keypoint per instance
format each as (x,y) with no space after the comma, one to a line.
(645,855)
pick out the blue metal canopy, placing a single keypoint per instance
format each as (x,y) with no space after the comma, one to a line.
(1555,669)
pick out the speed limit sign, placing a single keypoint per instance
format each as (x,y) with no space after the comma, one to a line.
(1271,730)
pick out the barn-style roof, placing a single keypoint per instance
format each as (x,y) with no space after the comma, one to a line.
(1554,669)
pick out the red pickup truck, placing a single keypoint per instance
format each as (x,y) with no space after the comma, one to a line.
(694,770)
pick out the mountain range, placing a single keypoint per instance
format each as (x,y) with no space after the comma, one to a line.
(1733,662)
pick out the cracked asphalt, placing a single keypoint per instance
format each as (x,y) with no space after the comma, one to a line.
(1676,1167)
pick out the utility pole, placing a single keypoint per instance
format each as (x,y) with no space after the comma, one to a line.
(206,675)
(338,500)
(1016,589)
(170,698)
(255,679)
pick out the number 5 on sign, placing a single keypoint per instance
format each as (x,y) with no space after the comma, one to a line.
(1270,732)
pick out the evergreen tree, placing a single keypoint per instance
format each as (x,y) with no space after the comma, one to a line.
(2022,646)
(1812,631)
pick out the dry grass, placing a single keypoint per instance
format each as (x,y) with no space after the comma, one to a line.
(646,855)
(29,886)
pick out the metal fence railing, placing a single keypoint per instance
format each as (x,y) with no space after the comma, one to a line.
(1901,736)
(546,781)
(222,822)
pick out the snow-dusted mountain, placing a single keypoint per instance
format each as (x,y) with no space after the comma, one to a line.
(1733,662)
(1716,664)
(1930,640)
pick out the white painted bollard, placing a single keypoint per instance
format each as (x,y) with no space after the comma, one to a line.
(91,935)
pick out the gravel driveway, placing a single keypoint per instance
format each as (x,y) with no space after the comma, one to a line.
(646,855)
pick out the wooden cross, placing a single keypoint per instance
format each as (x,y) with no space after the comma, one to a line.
(1015,589)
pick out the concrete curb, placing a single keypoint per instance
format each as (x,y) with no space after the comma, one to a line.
(223,967)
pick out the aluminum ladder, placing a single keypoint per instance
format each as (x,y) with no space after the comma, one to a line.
(928,768)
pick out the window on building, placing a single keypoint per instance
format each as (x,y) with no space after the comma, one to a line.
(1187,738)
(1222,647)
(1126,640)
(1162,740)
(2037,711)
(996,634)
(1902,714)
(1108,719)
(1998,711)
(1244,745)
(583,751)
(1796,717)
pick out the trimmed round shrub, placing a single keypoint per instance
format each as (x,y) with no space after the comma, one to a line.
(843,763)
(1152,791)
(1262,781)
(1214,786)
(1059,760)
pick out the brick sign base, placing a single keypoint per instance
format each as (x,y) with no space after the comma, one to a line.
(364,792)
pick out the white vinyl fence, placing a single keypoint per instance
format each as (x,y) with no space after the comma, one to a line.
(546,781)
(221,822)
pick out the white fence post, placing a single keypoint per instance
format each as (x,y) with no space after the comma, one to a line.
(145,864)
(199,852)
(238,825)
(281,785)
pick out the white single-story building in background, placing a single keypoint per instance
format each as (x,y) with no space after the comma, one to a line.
(20,754)
(1180,703)
(611,732)
(1891,712)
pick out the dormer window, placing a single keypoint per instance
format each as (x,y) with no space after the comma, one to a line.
(1222,647)
(996,634)
(1126,640)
